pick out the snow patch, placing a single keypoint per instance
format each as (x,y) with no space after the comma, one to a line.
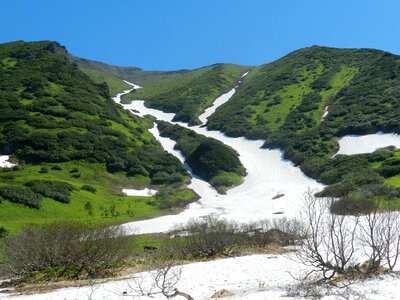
(326,112)
(217,103)
(145,192)
(358,144)
(4,163)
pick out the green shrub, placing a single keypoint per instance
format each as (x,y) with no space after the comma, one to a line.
(89,188)
(44,170)
(3,232)
(57,190)
(22,195)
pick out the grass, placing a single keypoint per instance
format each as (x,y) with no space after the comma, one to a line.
(8,62)
(106,199)
(115,85)
(225,181)
(291,96)
(340,79)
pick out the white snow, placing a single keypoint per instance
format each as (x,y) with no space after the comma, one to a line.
(357,144)
(145,192)
(4,163)
(217,103)
(326,112)
(254,277)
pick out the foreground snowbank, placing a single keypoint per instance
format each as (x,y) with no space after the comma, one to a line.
(255,277)
(357,144)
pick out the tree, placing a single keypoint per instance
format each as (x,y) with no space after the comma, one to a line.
(161,281)
(328,246)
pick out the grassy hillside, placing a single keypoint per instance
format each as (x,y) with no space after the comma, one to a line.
(184,92)
(53,115)
(212,160)
(283,102)
(113,75)
(190,93)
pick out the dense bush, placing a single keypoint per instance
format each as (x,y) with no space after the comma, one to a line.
(212,157)
(89,188)
(21,195)
(57,190)
(207,157)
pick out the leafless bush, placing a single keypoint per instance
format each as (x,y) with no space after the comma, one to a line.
(282,232)
(162,280)
(329,244)
(380,238)
(332,242)
(72,248)
(206,238)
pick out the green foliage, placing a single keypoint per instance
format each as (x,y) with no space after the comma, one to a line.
(283,102)
(188,93)
(44,170)
(57,190)
(170,198)
(52,112)
(209,158)
(3,232)
(89,188)
(21,195)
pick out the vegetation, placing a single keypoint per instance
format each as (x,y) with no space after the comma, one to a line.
(283,102)
(190,93)
(64,250)
(210,159)
(63,128)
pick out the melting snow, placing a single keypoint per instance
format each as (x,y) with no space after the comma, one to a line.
(357,144)
(4,163)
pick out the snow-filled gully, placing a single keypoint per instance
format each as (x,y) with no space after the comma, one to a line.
(268,176)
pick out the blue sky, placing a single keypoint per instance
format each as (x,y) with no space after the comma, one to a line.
(178,34)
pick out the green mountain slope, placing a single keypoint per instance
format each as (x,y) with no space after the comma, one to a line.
(283,102)
(113,75)
(185,92)
(64,128)
(189,94)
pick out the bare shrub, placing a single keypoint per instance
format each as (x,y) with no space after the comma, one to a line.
(282,232)
(162,280)
(205,238)
(329,244)
(380,238)
(73,248)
